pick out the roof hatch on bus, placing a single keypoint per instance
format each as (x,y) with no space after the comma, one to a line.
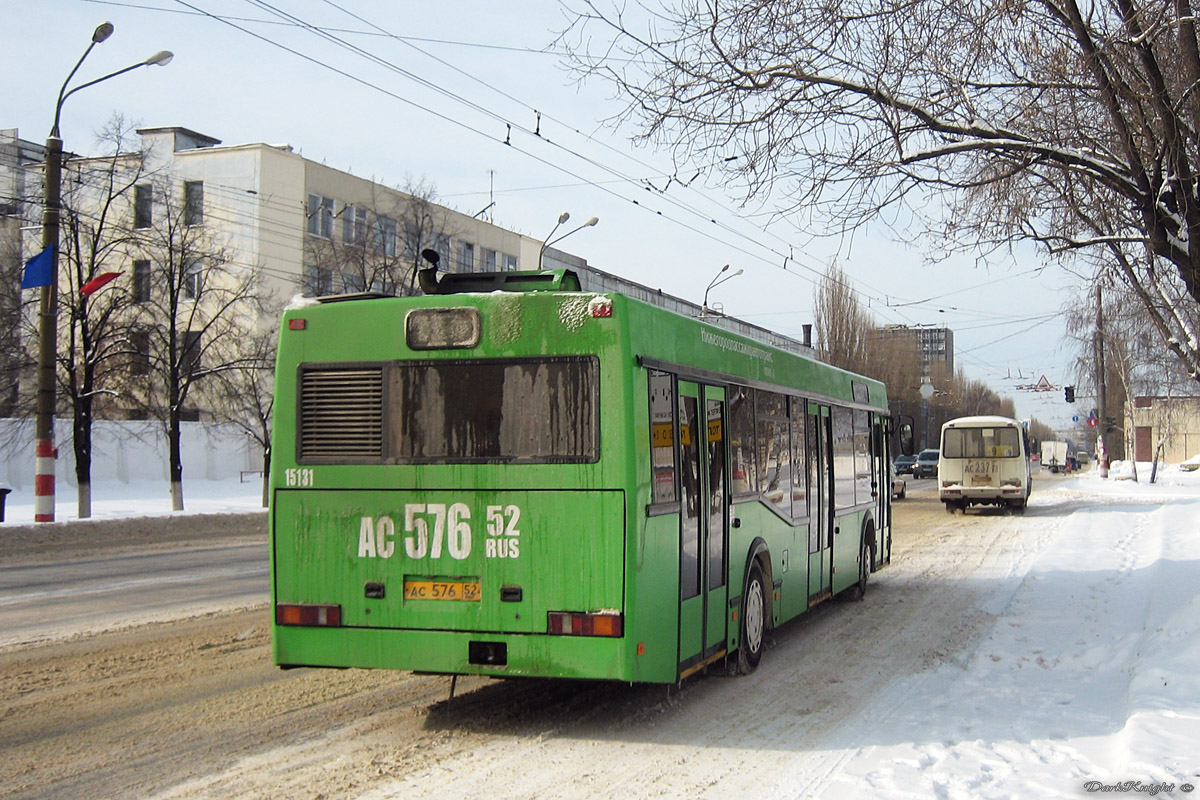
(554,280)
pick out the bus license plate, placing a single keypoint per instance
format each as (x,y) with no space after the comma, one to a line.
(467,591)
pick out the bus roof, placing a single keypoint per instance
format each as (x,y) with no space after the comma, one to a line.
(981,421)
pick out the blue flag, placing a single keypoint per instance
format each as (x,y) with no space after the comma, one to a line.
(38,270)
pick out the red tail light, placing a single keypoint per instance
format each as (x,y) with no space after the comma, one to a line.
(308,614)
(567,623)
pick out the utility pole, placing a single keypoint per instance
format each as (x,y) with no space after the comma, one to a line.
(1101,385)
(46,453)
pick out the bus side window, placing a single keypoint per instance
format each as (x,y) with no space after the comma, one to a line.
(743,466)
(774,451)
(799,459)
(662,438)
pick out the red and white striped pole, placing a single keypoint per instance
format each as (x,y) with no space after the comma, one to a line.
(43,435)
(43,481)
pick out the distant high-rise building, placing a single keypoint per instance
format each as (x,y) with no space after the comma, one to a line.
(936,345)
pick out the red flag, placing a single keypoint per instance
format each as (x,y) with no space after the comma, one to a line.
(97,282)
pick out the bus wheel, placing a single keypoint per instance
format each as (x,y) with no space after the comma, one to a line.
(754,621)
(864,572)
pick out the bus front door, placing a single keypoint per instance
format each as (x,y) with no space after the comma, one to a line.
(703,530)
(820,479)
(881,481)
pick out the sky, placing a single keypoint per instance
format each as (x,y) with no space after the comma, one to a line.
(471,98)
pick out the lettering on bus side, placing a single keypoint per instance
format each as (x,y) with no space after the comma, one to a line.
(431,530)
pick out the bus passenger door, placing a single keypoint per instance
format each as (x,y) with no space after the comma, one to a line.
(881,479)
(703,589)
(820,479)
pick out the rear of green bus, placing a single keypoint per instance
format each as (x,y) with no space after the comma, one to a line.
(446,495)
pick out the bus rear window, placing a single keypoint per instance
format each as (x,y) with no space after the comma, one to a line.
(529,410)
(981,443)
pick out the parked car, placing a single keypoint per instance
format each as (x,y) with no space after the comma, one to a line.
(904,464)
(899,486)
(927,463)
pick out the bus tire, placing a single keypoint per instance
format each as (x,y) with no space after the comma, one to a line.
(754,620)
(865,563)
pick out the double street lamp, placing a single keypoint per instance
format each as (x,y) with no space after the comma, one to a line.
(717,281)
(45,452)
(562,218)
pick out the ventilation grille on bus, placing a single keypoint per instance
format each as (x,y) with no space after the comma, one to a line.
(341,413)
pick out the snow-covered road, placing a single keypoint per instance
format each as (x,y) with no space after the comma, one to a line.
(1055,654)
(1050,655)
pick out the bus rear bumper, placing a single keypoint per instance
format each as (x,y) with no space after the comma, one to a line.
(989,495)
(459,653)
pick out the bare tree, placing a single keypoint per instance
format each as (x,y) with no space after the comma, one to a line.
(843,327)
(1077,128)
(848,337)
(376,245)
(196,306)
(14,359)
(244,396)
(94,240)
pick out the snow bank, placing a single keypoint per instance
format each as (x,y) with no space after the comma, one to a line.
(144,498)
(1089,680)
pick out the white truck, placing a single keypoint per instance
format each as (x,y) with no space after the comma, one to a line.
(1054,456)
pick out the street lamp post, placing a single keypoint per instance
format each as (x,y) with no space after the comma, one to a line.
(562,218)
(44,450)
(717,281)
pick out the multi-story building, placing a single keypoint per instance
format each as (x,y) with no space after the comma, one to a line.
(16,157)
(936,345)
(300,227)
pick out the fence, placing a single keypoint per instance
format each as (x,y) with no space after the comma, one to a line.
(126,451)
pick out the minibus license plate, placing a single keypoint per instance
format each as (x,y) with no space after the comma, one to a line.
(441,590)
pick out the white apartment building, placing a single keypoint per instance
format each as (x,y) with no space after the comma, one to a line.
(308,227)
(302,227)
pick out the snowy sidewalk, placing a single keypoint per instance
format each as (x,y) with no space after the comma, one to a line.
(1088,682)
(113,500)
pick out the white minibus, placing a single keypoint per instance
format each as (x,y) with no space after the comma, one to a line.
(984,461)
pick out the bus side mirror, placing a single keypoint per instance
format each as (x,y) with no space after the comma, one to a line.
(906,437)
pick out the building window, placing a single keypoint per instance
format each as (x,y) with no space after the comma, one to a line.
(139,361)
(509,262)
(317,281)
(489,262)
(193,203)
(354,225)
(385,235)
(143,205)
(141,281)
(189,357)
(320,216)
(466,257)
(190,284)
(412,243)
(441,245)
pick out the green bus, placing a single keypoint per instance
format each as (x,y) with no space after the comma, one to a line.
(512,477)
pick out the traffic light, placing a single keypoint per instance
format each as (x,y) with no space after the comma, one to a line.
(1069,393)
